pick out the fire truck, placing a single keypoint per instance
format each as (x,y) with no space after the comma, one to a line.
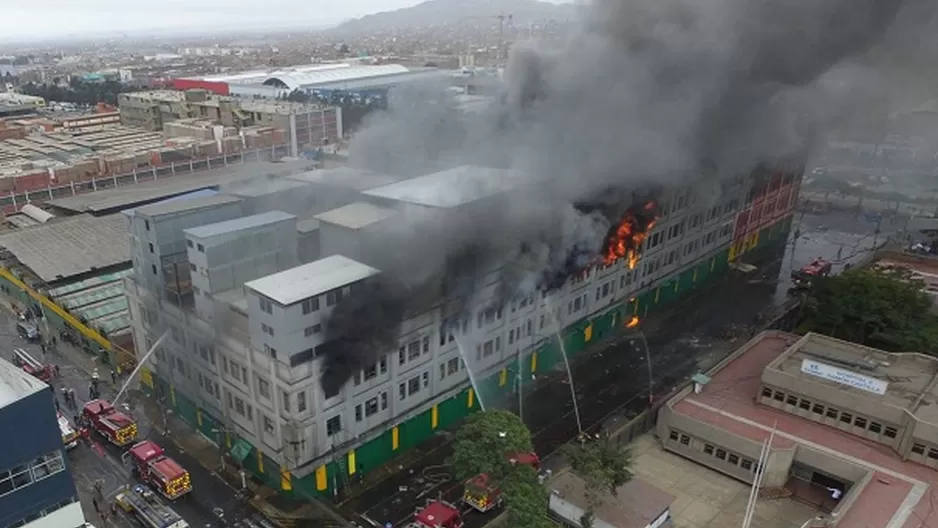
(483,494)
(117,427)
(31,366)
(158,470)
(816,268)
(148,509)
(69,434)
(437,514)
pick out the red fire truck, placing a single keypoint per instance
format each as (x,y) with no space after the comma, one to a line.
(158,470)
(31,366)
(816,268)
(117,427)
(437,514)
(482,493)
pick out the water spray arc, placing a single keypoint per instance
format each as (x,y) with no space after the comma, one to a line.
(472,377)
(566,362)
(139,365)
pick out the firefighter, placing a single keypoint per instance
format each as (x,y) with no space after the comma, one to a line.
(113,377)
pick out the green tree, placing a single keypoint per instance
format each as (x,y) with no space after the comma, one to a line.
(602,465)
(884,308)
(526,498)
(485,443)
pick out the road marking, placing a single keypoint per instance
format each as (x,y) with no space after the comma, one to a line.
(902,513)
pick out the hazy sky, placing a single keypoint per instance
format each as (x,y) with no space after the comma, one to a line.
(59,18)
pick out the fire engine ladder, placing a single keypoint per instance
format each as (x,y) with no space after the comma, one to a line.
(153,514)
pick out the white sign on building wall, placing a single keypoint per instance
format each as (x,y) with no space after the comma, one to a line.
(844,377)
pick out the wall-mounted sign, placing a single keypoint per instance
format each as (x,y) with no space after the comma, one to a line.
(844,377)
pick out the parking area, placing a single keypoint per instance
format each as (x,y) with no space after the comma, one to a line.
(704,498)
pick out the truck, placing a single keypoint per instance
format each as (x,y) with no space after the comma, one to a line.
(148,509)
(437,514)
(117,427)
(69,434)
(482,493)
(803,277)
(32,366)
(162,473)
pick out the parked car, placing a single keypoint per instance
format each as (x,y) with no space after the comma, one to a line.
(28,331)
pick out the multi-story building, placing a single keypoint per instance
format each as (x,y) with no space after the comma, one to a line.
(244,356)
(36,487)
(305,126)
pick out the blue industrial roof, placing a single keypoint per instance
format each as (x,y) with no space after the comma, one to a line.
(238,224)
(202,193)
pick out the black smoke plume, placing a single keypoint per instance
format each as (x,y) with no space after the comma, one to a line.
(647,95)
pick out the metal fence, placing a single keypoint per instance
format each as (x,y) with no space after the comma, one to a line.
(13,201)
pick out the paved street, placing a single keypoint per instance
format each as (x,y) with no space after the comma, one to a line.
(101,461)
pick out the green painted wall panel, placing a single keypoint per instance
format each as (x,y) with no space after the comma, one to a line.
(372,454)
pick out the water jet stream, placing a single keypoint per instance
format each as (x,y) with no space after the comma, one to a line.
(566,362)
(472,377)
(139,364)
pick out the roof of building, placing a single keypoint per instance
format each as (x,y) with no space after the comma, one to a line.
(451,187)
(636,503)
(16,384)
(253,189)
(347,177)
(238,224)
(356,215)
(302,282)
(904,378)
(298,78)
(71,246)
(895,496)
(308,225)
(181,206)
(379,82)
(127,196)
(100,300)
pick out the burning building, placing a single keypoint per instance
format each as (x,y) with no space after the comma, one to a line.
(318,362)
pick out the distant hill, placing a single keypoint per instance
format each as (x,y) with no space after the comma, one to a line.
(457,12)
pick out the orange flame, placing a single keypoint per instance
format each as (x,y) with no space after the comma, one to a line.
(626,241)
(633,322)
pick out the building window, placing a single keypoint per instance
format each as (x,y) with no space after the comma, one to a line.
(153,267)
(285,400)
(192,267)
(791,400)
(383,365)
(708,449)
(333,392)
(832,413)
(358,413)
(846,417)
(425,344)
(401,356)
(310,305)
(685,439)
(860,422)
(384,401)
(876,427)
(263,387)
(779,396)
(301,401)
(312,330)
(200,247)
(721,454)
(426,379)
(371,372)
(334,425)
(804,404)
(413,350)
(733,459)
(266,305)
(188,243)
(918,449)
(371,406)
(933,453)
(402,391)
(413,386)
(442,370)
(452,366)
(268,425)
(745,464)
(890,432)
(146,224)
(766,392)
(818,408)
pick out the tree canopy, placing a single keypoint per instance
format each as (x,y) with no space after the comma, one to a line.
(883,308)
(485,443)
(601,464)
(79,92)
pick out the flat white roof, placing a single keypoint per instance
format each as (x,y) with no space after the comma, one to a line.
(451,187)
(302,282)
(16,384)
(356,215)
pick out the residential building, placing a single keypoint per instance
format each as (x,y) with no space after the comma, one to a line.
(36,487)
(244,353)
(849,428)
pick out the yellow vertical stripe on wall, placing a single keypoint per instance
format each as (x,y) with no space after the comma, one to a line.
(677,285)
(695,276)
(470,397)
(322,479)
(635,312)
(146,377)
(435,417)
(503,377)
(286,480)
(228,440)
(533,362)
(588,333)
(198,417)
(172,395)
(395,438)
(260,461)
(352,467)
(657,294)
